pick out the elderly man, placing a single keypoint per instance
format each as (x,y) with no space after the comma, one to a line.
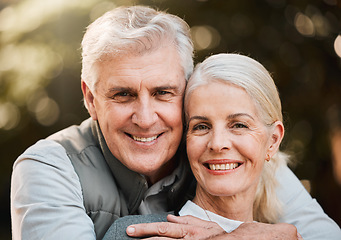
(126,158)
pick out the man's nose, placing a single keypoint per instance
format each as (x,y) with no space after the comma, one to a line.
(219,141)
(144,114)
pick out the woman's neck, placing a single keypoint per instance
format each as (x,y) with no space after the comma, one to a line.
(238,207)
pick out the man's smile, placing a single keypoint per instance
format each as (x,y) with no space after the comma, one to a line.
(144,139)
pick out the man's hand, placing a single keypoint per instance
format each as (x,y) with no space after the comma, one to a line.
(189,227)
(256,230)
(186,227)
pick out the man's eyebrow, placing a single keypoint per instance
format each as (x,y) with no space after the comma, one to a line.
(119,89)
(236,115)
(167,87)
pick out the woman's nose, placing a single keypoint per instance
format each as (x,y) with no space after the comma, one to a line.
(219,141)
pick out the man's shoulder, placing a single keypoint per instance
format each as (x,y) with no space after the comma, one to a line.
(43,149)
(75,138)
(60,144)
(43,156)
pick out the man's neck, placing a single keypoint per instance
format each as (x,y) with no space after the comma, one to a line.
(164,171)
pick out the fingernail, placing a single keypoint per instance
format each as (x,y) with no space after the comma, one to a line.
(171,216)
(130,230)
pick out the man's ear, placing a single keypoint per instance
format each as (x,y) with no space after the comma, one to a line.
(89,100)
(276,138)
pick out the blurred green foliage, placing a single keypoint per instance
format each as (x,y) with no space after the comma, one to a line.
(40,72)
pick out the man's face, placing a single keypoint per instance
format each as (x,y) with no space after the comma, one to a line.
(138,104)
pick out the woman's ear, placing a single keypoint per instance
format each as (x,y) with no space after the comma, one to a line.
(276,138)
(89,100)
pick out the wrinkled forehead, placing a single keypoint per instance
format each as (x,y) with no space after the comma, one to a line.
(162,63)
(137,47)
(193,87)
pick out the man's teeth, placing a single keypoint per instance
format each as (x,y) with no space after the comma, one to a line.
(227,166)
(142,139)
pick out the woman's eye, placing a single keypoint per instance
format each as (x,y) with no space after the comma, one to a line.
(200,127)
(239,125)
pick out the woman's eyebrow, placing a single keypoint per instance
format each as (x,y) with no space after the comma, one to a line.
(236,115)
(203,118)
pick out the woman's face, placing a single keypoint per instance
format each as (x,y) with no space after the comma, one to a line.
(227,143)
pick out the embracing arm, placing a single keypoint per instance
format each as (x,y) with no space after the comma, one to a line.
(301,210)
(46,196)
(189,227)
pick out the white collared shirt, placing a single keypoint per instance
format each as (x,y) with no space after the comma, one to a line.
(190,208)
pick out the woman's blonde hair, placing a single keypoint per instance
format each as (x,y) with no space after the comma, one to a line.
(247,73)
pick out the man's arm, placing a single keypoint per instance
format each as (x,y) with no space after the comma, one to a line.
(301,210)
(189,227)
(46,196)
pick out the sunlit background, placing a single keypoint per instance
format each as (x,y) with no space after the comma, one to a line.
(298,41)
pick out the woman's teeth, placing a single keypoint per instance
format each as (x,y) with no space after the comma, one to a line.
(227,166)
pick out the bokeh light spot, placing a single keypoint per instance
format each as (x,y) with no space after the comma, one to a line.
(47,111)
(321,25)
(9,116)
(337,45)
(7,18)
(205,37)
(304,25)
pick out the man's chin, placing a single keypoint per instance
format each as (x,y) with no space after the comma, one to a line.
(153,172)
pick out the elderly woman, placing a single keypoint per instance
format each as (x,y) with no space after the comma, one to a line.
(234,130)
(234,120)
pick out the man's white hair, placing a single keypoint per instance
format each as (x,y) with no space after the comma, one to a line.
(133,30)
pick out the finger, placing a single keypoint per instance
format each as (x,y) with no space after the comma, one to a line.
(190,220)
(167,229)
(159,238)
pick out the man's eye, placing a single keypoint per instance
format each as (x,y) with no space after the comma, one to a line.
(122,96)
(162,93)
